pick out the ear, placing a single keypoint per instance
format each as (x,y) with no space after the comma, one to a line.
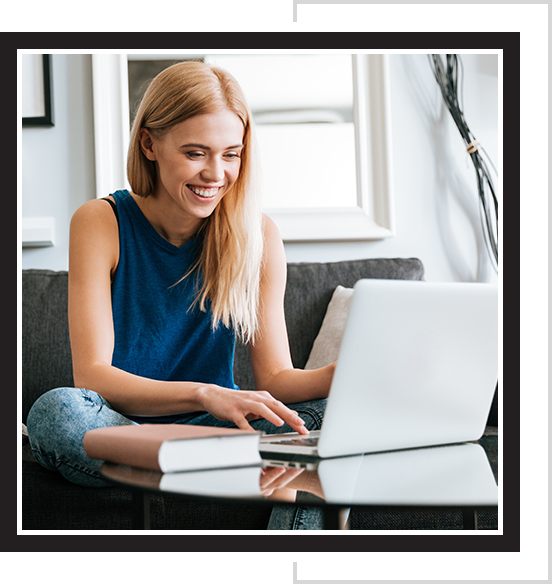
(146,144)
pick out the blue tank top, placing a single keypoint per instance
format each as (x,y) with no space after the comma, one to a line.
(157,334)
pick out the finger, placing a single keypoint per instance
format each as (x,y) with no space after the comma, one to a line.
(263,411)
(263,404)
(280,481)
(270,476)
(243,424)
(251,417)
(285,414)
(293,419)
(286,477)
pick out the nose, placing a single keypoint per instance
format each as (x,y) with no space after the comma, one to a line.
(213,170)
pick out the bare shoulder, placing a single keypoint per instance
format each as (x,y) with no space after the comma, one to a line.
(268,223)
(95,219)
(94,232)
(274,264)
(271,233)
(97,210)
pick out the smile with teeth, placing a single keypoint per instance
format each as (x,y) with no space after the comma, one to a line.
(206,193)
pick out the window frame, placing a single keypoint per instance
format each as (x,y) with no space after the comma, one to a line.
(371,219)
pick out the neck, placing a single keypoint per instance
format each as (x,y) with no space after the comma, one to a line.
(171,226)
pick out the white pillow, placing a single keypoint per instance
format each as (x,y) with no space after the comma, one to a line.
(325,348)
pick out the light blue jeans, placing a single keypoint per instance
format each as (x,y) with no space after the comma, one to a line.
(59,419)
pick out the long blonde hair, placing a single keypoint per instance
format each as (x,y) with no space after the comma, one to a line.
(232,251)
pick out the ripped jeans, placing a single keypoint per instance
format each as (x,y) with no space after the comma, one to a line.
(59,419)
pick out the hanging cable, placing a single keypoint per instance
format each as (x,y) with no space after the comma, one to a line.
(447,79)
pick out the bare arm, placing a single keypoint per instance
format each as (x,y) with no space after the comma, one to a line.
(270,356)
(93,257)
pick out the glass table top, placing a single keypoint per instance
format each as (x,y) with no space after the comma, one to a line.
(456,475)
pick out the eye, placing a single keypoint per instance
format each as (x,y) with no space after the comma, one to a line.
(194,155)
(232,155)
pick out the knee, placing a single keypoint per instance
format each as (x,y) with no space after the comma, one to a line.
(48,407)
(56,425)
(50,404)
(56,409)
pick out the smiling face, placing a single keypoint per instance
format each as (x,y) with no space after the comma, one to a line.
(197,162)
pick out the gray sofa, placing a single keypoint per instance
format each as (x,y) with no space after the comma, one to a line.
(49,502)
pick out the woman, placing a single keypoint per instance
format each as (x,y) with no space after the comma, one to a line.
(164,278)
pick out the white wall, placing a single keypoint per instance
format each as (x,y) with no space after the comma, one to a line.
(58,162)
(437,216)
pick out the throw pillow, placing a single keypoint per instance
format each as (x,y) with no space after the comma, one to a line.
(325,348)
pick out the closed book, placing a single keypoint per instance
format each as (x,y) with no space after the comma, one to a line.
(174,447)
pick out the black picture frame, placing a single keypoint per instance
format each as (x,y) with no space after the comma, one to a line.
(48,118)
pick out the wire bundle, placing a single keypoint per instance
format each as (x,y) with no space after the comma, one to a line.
(447,78)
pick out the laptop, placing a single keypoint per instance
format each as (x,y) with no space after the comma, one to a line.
(418,366)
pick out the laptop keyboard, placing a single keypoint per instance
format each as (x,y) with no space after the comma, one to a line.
(305,441)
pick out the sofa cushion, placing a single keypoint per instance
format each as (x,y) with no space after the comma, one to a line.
(46,355)
(325,349)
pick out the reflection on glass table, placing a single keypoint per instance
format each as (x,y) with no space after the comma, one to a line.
(457,476)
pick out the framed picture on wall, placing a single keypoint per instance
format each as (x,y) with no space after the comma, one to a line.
(37,104)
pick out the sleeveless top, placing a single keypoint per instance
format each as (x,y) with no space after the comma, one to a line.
(157,334)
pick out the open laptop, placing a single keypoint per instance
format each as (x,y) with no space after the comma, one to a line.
(418,366)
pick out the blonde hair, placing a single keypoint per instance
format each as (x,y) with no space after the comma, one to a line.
(232,251)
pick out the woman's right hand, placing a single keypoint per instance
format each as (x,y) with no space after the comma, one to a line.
(241,406)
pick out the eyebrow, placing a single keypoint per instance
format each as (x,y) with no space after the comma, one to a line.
(203,147)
